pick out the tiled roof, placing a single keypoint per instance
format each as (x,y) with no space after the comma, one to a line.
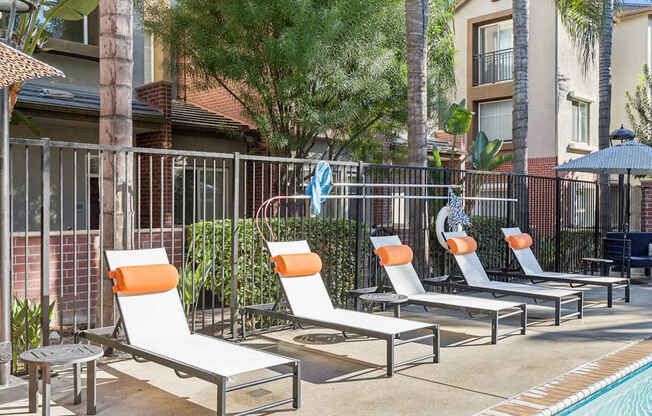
(66,98)
(189,115)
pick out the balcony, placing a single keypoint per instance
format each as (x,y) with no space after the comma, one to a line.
(492,67)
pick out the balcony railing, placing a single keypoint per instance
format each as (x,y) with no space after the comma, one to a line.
(492,67)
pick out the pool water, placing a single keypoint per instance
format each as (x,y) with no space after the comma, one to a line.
(630,396)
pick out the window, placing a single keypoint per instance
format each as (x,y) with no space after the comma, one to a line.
(203,194)
(495,119)
(149,58)
(583,207)
(86,30)
(580,121)
(494,60)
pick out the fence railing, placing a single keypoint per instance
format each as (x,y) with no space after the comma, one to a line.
(70,201)
(492,67)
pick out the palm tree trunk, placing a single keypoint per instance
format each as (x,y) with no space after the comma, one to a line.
(416,23)
(604,108)
(521,10)
(116,67)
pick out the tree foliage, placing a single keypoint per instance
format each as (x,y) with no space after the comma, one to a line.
(307,72)
(639,108)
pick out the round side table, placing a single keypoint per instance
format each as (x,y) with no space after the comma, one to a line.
(65,354)
(372,299)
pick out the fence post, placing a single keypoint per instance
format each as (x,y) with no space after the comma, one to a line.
(235,245)
(510,190)
(5,243)
(45,243)
(358,227)
(557,223)
(596,221)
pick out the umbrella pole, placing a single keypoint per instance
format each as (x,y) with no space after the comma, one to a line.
(621,201)
(629,197)
(5,335)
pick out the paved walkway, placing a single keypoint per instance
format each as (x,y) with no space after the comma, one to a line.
(343,377)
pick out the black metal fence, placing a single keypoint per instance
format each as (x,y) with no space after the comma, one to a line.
(70,201)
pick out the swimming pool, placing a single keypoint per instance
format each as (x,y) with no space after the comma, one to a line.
(630,396)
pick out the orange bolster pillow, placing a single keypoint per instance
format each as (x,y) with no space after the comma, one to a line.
(519,241)
(462,245)
(138,280)
(394,255)
(295,265)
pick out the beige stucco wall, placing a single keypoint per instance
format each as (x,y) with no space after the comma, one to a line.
(572,79)
(631,50)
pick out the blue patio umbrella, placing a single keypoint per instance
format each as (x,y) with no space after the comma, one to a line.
(628,158)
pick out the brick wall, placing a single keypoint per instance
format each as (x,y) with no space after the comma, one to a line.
(217,100)
(158,95)
(537,166)
(73,270)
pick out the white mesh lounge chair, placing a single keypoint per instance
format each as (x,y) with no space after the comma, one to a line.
(533,270)
(310,304)
(405,281)
(476,279)
(156,329)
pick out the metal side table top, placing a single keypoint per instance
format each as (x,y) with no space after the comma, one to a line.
(385,299)
(65,354)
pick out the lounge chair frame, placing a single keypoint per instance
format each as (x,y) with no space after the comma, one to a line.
(496,315)
(578,281)
(558,300)
(108,336)
(273,310)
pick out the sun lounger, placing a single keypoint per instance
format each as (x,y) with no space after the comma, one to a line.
(405,281)
(533,270)
(310,304)
(476,279)
(156,329)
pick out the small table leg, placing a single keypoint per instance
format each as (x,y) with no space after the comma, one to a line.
(77,382)
(45,370)
(397,310)
(91,406)
(33,386)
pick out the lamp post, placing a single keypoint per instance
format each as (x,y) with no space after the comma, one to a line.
(622,135)
(12,7)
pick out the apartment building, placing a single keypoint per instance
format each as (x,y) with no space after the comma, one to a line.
(563,98)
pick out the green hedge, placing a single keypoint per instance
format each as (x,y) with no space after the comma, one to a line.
(210,257)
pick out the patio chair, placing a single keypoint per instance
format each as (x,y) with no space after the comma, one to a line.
(463,249)
(156,329)
(310,304)
(405,281)
(520,244)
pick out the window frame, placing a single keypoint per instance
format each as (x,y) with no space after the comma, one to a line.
(576,120)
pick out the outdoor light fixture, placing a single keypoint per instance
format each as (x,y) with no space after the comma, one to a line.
(622,134)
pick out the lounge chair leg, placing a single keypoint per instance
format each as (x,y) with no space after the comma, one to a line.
(558,312)
(436,345)
(580,306)
(494,328)
(221,397)
(524,319)
(390,356)
(627,292)
(610,296)
(296,385)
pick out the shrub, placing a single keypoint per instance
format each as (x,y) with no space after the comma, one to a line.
(25,327)
(209,258)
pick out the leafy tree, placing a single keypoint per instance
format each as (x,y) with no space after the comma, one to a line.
(306,72)
(639,108)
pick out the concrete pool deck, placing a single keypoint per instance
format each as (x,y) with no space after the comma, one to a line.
(346,376)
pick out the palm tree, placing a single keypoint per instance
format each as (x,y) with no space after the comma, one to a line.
(590,23)
(520,10)
(416,23)
(116,68)
(416,20)
(520,95)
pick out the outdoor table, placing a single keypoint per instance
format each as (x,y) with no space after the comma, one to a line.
(384,299)
(440,283)
(65,354)
(604,264)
